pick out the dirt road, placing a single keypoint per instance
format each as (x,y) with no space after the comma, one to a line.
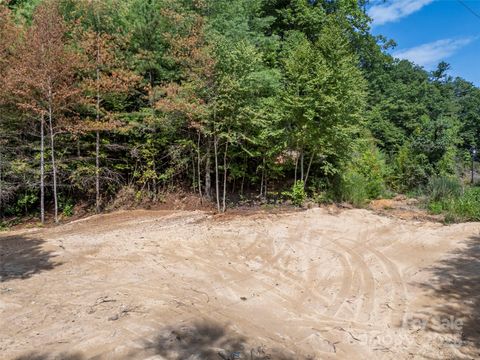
(190,285)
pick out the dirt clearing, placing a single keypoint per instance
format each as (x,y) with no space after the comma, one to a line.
(189,285)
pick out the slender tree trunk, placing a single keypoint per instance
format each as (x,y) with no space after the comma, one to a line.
(224,206)
(1,185)
(42,169)
(308,170)
(261,185)
(208,180)
(296,167)
(265,181)
(217,185)
(194,171)
(263,177)
(97,142)
(301,165)
(97,172)
(199,163)
(242,185)
(243,177)
(154,181)
(54,167)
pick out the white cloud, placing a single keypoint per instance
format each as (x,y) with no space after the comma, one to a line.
(393,10)
(432,53)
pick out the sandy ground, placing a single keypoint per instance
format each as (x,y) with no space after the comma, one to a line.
(190,285)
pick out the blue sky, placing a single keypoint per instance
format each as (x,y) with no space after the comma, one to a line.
(429,31)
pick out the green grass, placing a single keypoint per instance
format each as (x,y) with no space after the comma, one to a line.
(444,187)
(464,207)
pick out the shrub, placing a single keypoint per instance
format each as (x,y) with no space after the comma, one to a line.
(3,226)
(410,169)
(353,189)
(364,177)
(297,194)
(464,207)
(67,210)
(444,187)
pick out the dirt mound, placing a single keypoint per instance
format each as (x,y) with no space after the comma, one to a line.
(403,208)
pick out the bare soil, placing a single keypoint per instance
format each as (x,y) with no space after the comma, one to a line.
(316,284)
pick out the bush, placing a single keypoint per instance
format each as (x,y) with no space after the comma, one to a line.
(464,207)
(3,226)
(24,204)
(297,194)
(354,189)
(410,169)
(444,187)
(67,210)
(364,177)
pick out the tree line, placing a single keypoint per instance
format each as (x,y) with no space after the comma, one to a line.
(224,99)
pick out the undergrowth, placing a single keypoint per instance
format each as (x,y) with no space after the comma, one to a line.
(447,196)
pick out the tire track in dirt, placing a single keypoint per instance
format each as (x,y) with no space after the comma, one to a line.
(346,285)
(398,294)
(268,259)
(399,298)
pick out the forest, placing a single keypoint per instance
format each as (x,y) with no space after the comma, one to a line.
(229,100)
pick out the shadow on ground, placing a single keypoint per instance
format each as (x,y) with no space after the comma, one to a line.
(457,283)
(61,356)
(201,340)
(22,257)
(208,340)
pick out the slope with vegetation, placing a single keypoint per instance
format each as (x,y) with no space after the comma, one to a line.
(225,99)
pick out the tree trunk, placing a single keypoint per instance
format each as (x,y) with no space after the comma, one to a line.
(301,166)
(194,174)
(1,186)
(154,182)
(224,206)
(243,177)
(97,172)
(261,185)
(42,169)
(265,182)
(52,146)
(97,133)
(242,185)
(208,181)
(199,163)
(217,185)
(296,167)
(308,171)
(263,177)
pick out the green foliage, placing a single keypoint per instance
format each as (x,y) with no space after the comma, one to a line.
(444,188)
(370,162)
(410,170)
(324,96)
(24,203)
(297,194)
(353,188)
(447,196)
(66,206)
(365,176)
(465,207)
(281,89)
(3,226)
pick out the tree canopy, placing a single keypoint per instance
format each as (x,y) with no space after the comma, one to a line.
(224,99)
